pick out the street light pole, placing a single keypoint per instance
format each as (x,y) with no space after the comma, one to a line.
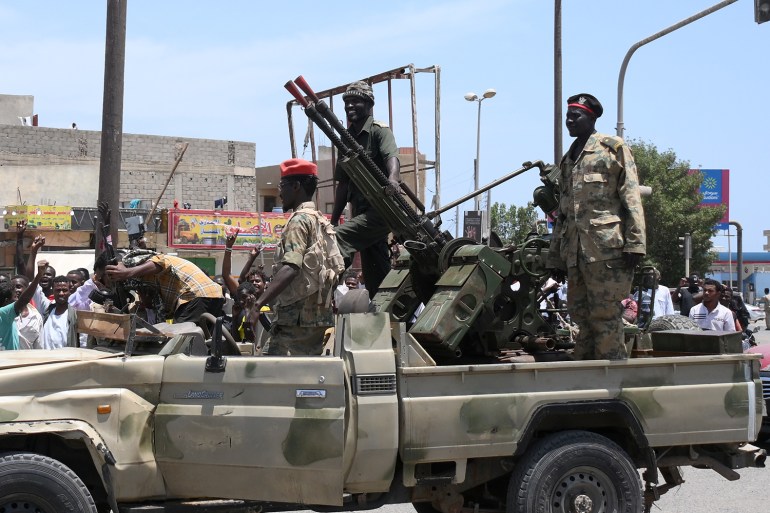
(622,75)
(473,97)
(477,199)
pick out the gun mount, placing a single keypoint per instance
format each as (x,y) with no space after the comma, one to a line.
(478,300)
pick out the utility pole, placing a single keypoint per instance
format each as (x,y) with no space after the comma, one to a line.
(112,112)
(557,84)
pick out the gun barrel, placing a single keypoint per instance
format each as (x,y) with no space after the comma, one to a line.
(292,88)
(524,167)
(302,83)
(317,118)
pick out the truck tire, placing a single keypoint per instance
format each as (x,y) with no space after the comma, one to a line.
(575,471)
(32,482)
(673,322)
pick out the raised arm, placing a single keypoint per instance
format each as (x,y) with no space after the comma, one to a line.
(21,265)
(227,263)
(253,254)
(26,295)
(37,243)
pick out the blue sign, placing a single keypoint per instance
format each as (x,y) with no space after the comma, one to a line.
(715,189)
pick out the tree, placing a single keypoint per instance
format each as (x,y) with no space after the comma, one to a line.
(512,224)
(672,210)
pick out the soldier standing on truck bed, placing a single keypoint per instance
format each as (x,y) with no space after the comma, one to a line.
(366,231)
(299,320)
(599,236)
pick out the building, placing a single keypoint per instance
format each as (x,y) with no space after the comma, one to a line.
(53,166)
(755,272)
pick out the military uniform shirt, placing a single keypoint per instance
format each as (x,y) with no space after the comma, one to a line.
(298,235)
(378,142)
(600,209)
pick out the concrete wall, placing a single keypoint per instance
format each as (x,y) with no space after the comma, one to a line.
(13,106)
(61,165)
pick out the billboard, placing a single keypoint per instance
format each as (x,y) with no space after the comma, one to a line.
(208,229)
(38,217)
(715,189)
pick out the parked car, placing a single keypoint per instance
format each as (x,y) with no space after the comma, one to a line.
(764,374)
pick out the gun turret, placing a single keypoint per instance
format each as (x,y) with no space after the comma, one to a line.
(465,286)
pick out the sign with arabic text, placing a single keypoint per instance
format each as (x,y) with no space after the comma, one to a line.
(38,217)
(208,229)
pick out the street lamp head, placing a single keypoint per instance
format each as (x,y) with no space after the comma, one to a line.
(471,97)
(489,93)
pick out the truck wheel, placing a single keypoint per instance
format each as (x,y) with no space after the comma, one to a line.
(673,322)
(575,471)
(34,483)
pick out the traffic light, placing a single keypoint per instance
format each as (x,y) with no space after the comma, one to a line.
(685,246)
(761,11)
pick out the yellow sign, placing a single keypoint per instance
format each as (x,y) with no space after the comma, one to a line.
(38,217)
(208,229)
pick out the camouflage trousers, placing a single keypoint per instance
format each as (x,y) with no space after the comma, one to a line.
(593,300)
(294,340)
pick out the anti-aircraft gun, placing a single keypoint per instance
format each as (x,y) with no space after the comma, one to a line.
(471,308)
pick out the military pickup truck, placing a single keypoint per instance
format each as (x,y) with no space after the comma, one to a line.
(374,421)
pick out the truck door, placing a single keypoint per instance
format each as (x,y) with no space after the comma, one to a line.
(267,428)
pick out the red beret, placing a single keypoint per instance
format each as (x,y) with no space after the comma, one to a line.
(293,167)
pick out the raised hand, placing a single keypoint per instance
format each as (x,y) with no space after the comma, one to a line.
(104,210)
(232,235)
(21,227)
(37,243)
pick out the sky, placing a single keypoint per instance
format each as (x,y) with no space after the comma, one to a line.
(216,70)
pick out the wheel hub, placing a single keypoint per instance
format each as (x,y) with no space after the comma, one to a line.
(15,506)
(583,504)
(583,490)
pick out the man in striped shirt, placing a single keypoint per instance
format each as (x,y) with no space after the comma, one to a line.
(710,314)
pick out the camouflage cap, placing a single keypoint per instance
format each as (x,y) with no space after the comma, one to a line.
(360,89)
(586,102)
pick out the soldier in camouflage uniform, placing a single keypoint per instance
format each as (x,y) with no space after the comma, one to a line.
(298,323)
(366,231)
(599,236)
